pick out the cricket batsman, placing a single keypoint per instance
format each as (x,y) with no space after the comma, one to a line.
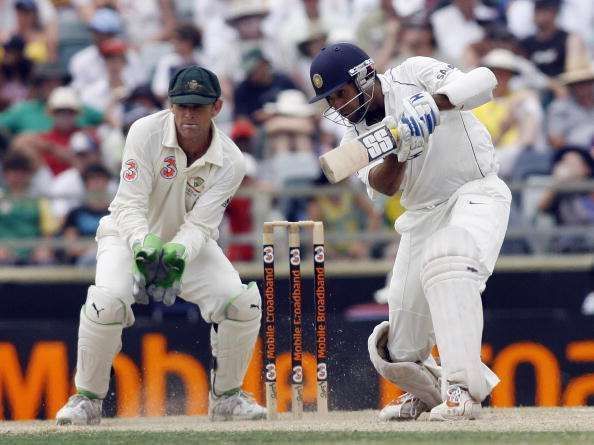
(159,241)
(456,217)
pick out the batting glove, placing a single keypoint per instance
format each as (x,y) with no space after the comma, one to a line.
(410,142)
(420,110)
(167,286)
(147,255)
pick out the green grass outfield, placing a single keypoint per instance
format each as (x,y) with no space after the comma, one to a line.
(505,426)
(305,438)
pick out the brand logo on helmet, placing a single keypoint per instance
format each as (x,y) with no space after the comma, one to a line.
(317,81)
(193,85)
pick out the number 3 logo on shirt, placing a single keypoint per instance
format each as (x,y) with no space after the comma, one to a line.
(169,171)
(131,172)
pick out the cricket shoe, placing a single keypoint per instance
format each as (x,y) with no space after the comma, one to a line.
(459,405)
(405,407)
(235,406)
(80,410)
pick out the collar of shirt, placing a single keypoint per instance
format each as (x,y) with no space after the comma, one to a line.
(214,154)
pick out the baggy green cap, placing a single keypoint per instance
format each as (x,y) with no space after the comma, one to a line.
(194,85)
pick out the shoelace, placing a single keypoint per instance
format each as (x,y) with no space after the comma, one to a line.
(406,397)
(454,393)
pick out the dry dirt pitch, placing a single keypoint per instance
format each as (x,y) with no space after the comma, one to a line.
(497,426)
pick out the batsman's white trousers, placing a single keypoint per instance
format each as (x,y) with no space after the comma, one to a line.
(482,208)
(209,281)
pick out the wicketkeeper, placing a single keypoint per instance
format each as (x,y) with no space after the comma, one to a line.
(159,241)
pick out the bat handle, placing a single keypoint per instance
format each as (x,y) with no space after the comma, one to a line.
(395,134)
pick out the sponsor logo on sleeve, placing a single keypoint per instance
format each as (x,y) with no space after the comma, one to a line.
(169,170)
(130,170)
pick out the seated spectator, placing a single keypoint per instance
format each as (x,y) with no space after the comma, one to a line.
(290,153)
(15,73)
(82,222)
(40,39)
(107,93)
(307,44)
(240,214)
(416,39)
(467,18)
(88,65)
(32,115)
(570,120)
(187,46)
(513,117)
(377,33)
(345,213)
(262,85)
(68,189)
(23,216)
(112,133)
(571,164)
(550,48)
(53,146)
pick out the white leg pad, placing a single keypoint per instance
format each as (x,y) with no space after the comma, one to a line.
(412,377)
(452,278)
(232,342)
(102,319)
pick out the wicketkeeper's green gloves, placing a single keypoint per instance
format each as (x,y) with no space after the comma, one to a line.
(145,265)
(167,285)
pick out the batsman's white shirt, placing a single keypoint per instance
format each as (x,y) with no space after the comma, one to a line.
(159,193)
(452,183)
(460,149)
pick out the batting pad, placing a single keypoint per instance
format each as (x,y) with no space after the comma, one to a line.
(102,319)
(232,344)
(452,281)
(409,376)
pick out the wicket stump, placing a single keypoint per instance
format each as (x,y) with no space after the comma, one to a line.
(295,294)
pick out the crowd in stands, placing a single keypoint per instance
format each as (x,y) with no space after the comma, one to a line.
(75,74)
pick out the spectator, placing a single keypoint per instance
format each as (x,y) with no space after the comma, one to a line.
(53,146)
(240,214)
(187,45)
(23,216)
(40,39)
(550,48)
(88,65)
(261,85)
(67,189)
(149,26)
(458,25)
(571,164)
(416,39)
(82,222)
(377,32)
(345,212)
(308,43)
(106,93)
(15,73)
(32,115)
(513,117)
(290,157)
(571,119)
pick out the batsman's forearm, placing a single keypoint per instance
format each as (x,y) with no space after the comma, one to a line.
(387,176)
(443,102)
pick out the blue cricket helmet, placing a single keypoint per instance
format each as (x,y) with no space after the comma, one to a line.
(337,64)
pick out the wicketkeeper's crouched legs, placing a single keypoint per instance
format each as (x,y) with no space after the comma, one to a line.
(233,339)
(453,278)
(102,319)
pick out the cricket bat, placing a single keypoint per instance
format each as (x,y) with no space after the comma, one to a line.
(346,159)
